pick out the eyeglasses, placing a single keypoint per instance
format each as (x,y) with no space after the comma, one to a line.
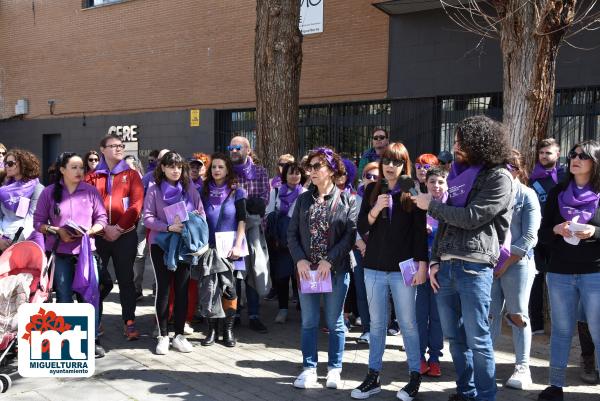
(116,146)
(419,166)
(379,137)
(395,162)
(314,166)
(10,163)
(234,147)
(93,160)
(2,152)
(582,156)
(371,176)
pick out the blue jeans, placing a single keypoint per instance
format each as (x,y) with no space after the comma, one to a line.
(565,291)
(252,299)
(379,284)
(512,290)
(361,293)
(333,307)
(428,322)
(464,304)
(64,271)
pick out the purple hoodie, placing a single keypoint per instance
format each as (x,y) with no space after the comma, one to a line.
(84,206)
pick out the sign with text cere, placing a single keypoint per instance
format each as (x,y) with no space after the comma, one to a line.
(311,16)
(128,133)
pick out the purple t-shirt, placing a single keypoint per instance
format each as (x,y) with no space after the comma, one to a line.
(228,219)
(154,214)
(84,207)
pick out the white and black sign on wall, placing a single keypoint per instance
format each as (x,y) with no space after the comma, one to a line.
(311,16)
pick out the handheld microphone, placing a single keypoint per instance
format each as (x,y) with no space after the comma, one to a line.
(407,185)
(385,190)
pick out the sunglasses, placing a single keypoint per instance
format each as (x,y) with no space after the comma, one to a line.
(379,137)
(395,162)
(419,166)
(282,164)
(116,146)
(314,166)
(93,159)
(371,176)
(582,156)
(234,147)
(10,163)
(2,152)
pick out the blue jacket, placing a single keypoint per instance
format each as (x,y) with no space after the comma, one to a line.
(525,223)
(186,247)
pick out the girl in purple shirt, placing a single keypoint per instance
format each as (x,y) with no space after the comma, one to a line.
(71,200)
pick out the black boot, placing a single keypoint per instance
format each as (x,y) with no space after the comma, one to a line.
(211,335)
(228,338)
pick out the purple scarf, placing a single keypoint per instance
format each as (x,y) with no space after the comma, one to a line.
(198,183)
(276,182)
(85,281)
(574,201)
(171,194)
(540,172)
(151,167)
(11,193)
(393,192)
(217,195)
(102,168)
(460,182)
(287,196)
(245,170)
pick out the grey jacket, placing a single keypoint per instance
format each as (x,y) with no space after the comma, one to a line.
(476,230)
(342,229)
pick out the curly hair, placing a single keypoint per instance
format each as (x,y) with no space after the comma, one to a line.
(29,164)
(483,140)
(173,159)
(338,168)
(428,158)
(230,179)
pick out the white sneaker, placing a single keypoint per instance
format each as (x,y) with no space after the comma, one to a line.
(181,344)
(187,329)
(281,316)
(306,379)
(333,378)
(162,348)
(520,379)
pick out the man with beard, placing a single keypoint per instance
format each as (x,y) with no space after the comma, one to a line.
(473,223)
(255,180)
(545,175)
(381,140)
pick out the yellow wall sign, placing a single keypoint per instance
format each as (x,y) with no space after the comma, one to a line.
(194,118)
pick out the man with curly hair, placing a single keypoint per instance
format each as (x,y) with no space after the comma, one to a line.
(473,224)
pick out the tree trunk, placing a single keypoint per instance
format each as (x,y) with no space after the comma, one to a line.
(277,64)
(530,36)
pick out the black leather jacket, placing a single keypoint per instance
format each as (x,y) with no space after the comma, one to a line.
(342,229)
(476,230)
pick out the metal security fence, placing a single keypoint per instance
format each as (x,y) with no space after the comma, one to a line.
(346,127)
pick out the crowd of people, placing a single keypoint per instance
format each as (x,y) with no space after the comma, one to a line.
(449,246)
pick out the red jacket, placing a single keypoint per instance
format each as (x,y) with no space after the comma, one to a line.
(124,205)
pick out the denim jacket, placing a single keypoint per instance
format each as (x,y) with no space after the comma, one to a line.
(525,223)
(342,229)
(476,230)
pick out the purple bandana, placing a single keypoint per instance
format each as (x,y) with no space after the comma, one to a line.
(11,193)
(574,201)
(245,170)
(460,181)
(328,153)
(276,182)
(171,194)
(217,195)
(85,280)
(393,192)
(540,172)
(102,168)
(287,196)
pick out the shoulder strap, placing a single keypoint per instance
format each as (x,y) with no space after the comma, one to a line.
(221,208)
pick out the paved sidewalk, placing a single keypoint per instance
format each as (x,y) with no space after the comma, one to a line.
(261,367)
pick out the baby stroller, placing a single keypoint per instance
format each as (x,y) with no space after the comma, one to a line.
(23,278)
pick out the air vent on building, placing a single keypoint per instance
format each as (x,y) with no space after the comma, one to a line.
(22,107)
